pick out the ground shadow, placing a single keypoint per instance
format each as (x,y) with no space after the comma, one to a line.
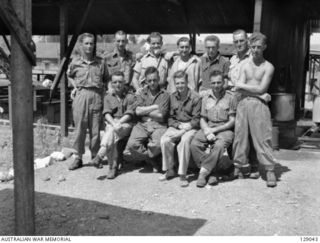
(59,215)
(279,170)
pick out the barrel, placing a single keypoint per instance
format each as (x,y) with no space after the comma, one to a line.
(275,138)
(283,106)
(316,109)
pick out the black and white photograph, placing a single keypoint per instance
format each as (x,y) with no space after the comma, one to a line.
(159,118)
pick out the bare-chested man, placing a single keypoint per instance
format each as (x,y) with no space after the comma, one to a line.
(253,115)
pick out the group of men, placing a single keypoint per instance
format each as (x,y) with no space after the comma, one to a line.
(187,108)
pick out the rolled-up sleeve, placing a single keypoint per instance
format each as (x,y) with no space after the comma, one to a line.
(195,121)
(130,105)
(172,121)
(70,71)
(164,104)
(204,112)
(107,105)
(137,67)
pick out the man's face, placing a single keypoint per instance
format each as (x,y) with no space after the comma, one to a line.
(184,48)
(121,42)
(155,45)
(152,81)
(117,83)
(87,45)
(240,42)
(257,47)
(181,84)
(216,83)
(212,48)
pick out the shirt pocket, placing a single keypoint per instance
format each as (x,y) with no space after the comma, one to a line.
(187,108)
(223,112)
(113,66)
(96,72)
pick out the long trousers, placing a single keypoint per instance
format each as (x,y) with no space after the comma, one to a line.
(87,106)
(210,160)
(168,145)
(144,141)
(110,143)
(253,119)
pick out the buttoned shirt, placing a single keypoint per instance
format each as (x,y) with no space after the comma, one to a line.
(187,110)
(162,99)
(149,60)
(117,63)
(118,106)
(88,74)
(207,66)
(217,111)
(235,66)
(191,68)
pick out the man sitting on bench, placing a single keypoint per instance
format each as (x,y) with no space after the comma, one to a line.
(217,121)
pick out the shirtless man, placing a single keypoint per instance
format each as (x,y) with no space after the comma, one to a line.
(253,115)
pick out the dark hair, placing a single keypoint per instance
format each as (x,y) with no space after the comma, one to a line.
(215,73)
(120,32)
(183,39)
(240,31)
(213,38)
(258,36)
(154,35)
(180,74)
(150,70)
(117,73)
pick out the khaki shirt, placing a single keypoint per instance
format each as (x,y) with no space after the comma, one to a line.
(192,70)
(117,106)
(207,66)
(187,110)
(162,99)
(93,74)
(150,60)
(217,111)
(235,67)
(116,63)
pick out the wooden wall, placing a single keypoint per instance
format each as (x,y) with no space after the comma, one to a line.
(288,46)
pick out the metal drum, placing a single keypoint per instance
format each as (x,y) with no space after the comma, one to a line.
(283,106)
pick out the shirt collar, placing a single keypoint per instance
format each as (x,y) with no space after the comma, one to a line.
(147,91)
(122,95)
(214,60)
(178,97)
(210,93)
(82,60)
(152,55)
(247,54)
(116,53)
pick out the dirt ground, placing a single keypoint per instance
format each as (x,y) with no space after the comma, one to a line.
(84,202)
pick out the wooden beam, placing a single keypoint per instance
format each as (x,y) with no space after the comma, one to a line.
(18,29)
(65,60)
(22,123)
(257,15)
(7,42)
(64,81)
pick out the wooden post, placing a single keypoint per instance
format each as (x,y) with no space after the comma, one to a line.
(64,81)
(257,15)
(22,128)
(10,104)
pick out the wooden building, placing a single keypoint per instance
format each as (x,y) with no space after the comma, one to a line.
(287,23)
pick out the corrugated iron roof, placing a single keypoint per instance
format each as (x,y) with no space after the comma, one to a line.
(165,16)
(144,16)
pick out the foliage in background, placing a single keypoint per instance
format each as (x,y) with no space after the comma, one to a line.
(46,138)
